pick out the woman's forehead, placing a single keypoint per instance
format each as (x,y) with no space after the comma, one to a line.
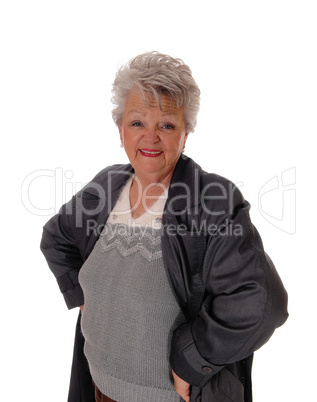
(136,103)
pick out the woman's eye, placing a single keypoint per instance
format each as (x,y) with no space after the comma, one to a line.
(168,127)
(137,124)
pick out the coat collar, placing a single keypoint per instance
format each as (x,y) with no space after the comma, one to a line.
(184,187)
(183,191)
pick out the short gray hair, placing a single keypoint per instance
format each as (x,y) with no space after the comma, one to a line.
(157,74)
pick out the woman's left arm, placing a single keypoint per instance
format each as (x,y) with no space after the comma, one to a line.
(244,302)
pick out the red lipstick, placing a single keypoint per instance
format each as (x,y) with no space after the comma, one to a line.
(150,153)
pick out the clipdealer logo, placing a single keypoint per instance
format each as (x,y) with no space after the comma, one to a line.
(57,180)
(276,197)
(277,201)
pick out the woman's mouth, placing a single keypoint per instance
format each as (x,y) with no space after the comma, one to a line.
(152,153)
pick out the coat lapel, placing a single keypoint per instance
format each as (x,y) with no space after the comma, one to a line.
(112,183)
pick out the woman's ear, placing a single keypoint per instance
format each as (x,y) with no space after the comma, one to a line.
(185,139)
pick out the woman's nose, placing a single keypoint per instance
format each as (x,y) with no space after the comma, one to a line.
(151,134)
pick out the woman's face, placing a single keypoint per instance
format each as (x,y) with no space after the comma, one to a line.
(152,138)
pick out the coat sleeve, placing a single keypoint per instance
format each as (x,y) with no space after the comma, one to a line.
(243,304)
(60,249)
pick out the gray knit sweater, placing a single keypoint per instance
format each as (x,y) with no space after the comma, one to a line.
(130,312)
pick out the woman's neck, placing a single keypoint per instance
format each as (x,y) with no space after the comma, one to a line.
(144,193)
(152,181)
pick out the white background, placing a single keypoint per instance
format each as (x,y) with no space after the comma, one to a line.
(255,63)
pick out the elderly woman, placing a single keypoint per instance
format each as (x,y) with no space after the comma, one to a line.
(175,289)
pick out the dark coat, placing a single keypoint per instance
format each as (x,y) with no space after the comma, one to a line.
(225,284)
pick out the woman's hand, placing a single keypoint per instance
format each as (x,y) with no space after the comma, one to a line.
(181,387)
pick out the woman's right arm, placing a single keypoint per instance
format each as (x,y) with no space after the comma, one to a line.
(60,249)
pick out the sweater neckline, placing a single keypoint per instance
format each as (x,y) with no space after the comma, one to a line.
(121,212)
